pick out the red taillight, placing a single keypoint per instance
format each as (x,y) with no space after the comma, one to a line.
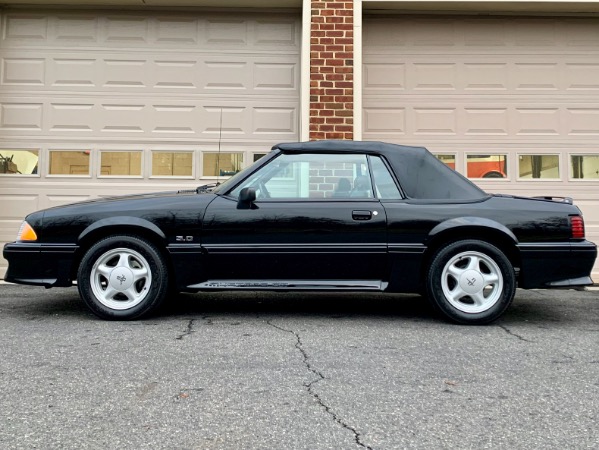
(577,226)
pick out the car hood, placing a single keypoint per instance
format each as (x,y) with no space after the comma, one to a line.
(139,205)
(131,197)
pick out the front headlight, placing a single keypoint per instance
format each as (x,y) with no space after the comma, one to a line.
(26,233)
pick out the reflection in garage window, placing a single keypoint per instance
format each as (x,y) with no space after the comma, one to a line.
(120,163)
(448,160)
(584,167)
(538,166)
(222,164)
(172,164)
(257,156)
(18,162)
(486,166)
(69,162)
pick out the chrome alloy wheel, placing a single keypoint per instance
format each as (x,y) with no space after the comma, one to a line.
(120,278)
(472,282)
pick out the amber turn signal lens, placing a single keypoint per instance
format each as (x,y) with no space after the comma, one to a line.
(26,233)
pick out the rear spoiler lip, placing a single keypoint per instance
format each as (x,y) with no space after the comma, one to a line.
(552,198)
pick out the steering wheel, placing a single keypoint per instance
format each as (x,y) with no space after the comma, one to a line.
(263,191)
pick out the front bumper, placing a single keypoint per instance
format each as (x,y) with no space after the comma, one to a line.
(36,264)
(556,265)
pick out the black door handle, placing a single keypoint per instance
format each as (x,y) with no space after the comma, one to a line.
(361,215)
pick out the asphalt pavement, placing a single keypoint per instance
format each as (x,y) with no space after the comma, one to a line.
(298,371)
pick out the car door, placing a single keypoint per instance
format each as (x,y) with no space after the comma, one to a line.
(315,218)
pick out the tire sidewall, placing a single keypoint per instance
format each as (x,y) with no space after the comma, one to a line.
(157,290)
(435,290)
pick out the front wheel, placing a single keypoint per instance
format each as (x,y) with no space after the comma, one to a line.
(122,278)
(471,282)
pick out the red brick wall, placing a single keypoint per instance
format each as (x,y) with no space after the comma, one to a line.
(324,177)
(331,70)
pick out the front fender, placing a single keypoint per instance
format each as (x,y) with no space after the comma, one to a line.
(121,221)
(469,222)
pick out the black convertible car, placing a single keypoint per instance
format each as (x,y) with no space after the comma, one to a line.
(312,216)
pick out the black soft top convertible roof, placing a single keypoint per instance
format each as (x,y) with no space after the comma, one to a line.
(421,175)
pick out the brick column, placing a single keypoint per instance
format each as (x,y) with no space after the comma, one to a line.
(331,70)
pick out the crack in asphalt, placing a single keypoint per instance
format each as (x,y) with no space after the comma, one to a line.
(309,386)
(511,333)
(188,331)
(191,327)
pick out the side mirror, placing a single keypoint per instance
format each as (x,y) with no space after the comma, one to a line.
(247,196)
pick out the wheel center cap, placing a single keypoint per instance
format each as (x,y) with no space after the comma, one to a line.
(471,281)
(121,278)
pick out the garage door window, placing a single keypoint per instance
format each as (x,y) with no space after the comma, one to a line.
(120,163)
(486,166)
(584,167)
(538,166)
(257,156)
(69,162)
(172,164)
(18,162)
(448,160)
(221,164)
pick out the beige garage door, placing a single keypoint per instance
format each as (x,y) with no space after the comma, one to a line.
(103,103)
(511,102)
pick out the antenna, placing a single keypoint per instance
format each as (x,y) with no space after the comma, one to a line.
(220,136)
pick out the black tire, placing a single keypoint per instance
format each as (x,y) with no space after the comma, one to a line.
(123,278)
(493,175)
(471,282)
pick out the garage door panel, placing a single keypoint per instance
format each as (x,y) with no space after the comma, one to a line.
(16,206)
(453,33)
(115,116)
(582,121)
(160,74)
(23,71)
(582,76)
(224,31)
(468,117)
(480,75)
(17,115)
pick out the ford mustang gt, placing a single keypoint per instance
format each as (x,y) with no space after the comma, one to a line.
(311,216)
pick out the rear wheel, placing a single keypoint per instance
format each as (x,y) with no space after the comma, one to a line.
(122,278)
(471,282)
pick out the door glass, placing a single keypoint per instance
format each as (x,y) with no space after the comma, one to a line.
(312,176)
(383,181)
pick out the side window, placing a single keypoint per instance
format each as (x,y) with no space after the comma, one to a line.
(312,176)
(383,181)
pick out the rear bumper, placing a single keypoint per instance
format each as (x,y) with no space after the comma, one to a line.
(556,265)
(39,264)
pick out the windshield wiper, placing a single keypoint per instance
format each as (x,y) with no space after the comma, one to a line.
(206,188)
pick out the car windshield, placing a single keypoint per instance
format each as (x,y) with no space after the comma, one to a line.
(230,182)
